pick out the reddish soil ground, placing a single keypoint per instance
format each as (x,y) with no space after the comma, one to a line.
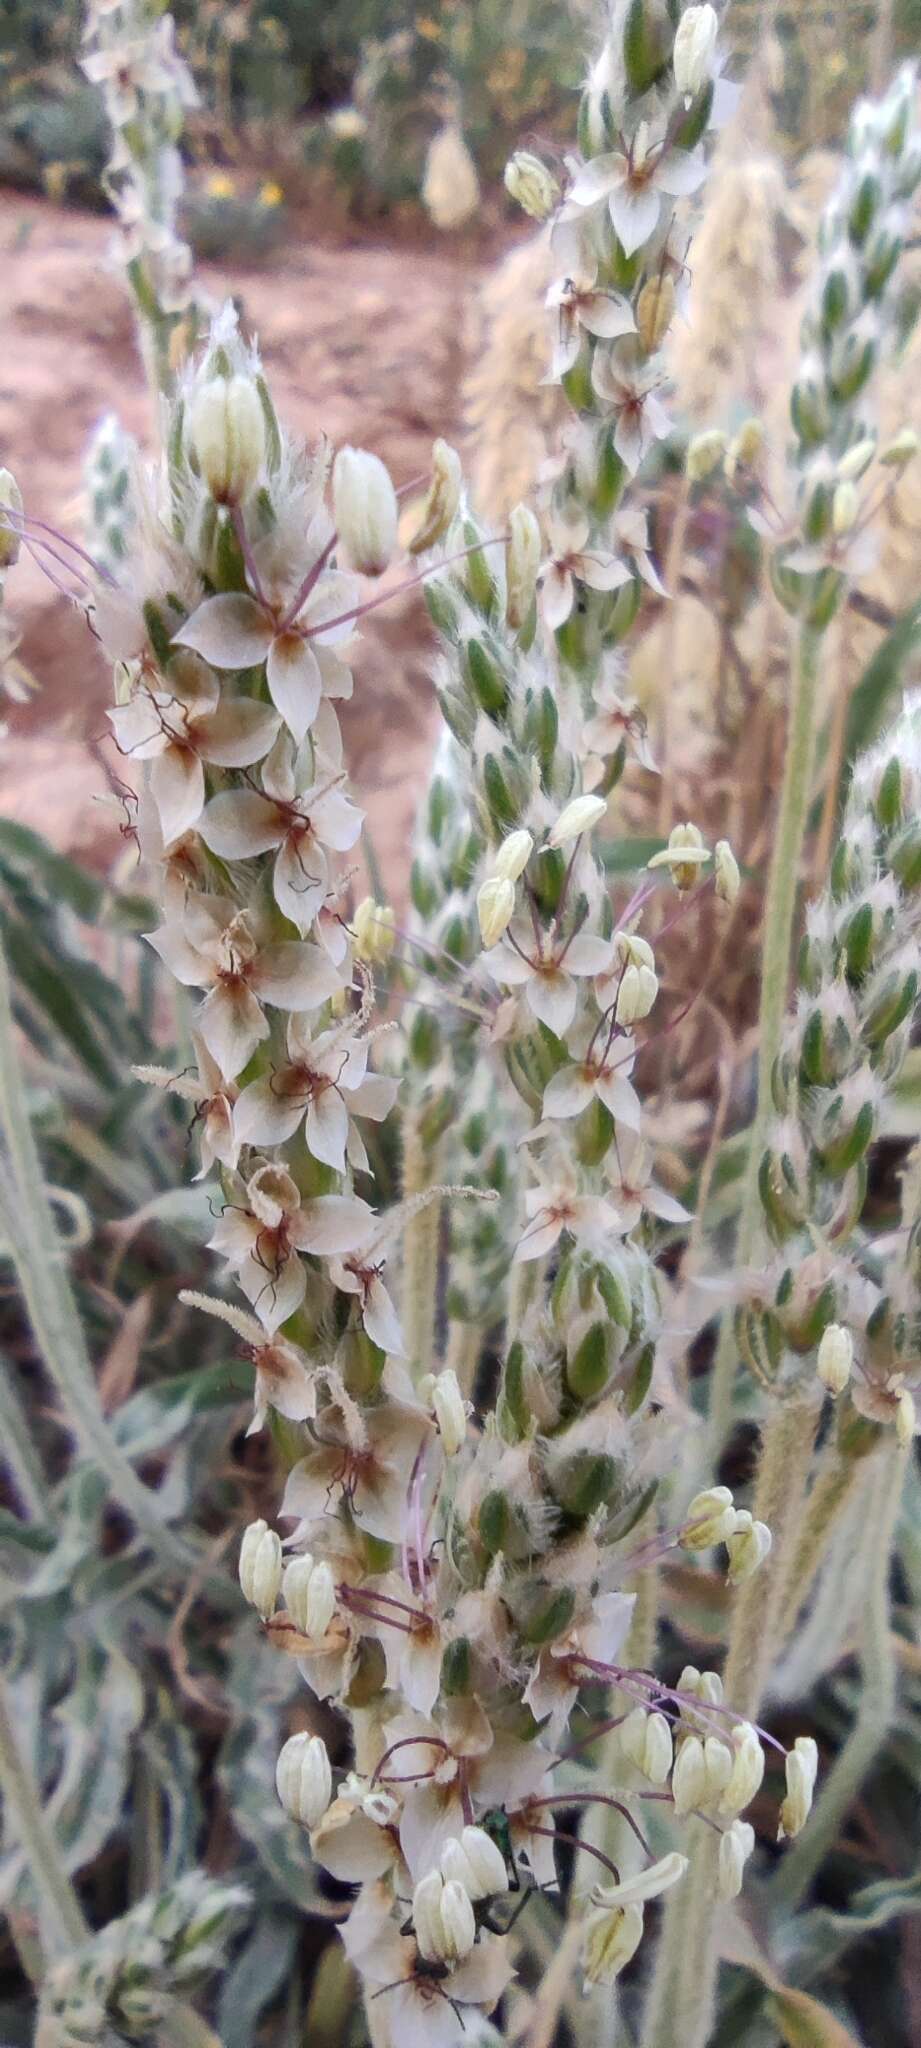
(361,341)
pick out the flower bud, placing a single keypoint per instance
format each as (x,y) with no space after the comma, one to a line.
(11,497)
(689,1777)
(450,1411)
(373,931)
(634,977)
(522,561)
(746,1773)
(443,1919)
(612,1937)
(442,499)
(477,1863)
(900,450)
(695,44)
(495,906)
(835,1358)
(260,1567)
(227,432)
(647,1741)
(365,510)
(748,1545)
(654,309)
(303,1778)
(845,508)
(801,1769)
(531,185)
(905,1419)
(718,1764)
(735,1849)
(745,447)
(857,459)
(576,817)
(709,1519)
(706,1686)
(513,856)
(310,1595)
(684,855)
(705,453)
(726,870)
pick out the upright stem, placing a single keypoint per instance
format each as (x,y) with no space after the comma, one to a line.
(62,1923)
(876,1699)
(779,913)
(831,1493)
(420,1247)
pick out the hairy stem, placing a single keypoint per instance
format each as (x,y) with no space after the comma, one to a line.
(827,1500)
(61,1918)
(420,1246)
(876,1699)
(779,913)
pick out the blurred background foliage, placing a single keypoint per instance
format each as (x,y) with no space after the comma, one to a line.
(356,93)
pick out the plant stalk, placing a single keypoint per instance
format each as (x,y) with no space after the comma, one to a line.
(60,1914)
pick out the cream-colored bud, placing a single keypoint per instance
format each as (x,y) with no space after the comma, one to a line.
(647,1741)
(365,510)
(695,44)
(845,508)
(857,459)
(450,1411)
(458,1922)
(718,1761)
(747,1770)
(705,453)
(443,1919)
(295,1586)
(260,1567)
(735,1849)
(513,856)
(303,1778)
(706,1686)
(684,855)
(748,1545)
(531,185)
(801,1769)
(903,448)
(612,1937)
(320,1601)
(522,561)
(654,309)
(477,1863)
(689,1777)
(495,908)
(442,500)
(637,981)
(906,1419)
(373,928)
(709,1519)
(747,443)
(835,1359)
(726,872)
(227,433)
(11,503)
(580,815)
(427,1915)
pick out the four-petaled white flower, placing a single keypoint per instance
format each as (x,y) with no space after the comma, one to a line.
(366,1459)
(361,1274)
(424,2005)
(184,723)
(603,1071)
(572,559)
(213,1098)
(262,1232)
(296,635)
(213,946)
(556,1204)
(324,1082)
(547,969)
(302,819)
(637,184)
(640,418)
(561,1671)
(615,719)
(582,303)
(634,1190)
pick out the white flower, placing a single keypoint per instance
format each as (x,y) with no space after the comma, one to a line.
(684,856)
(360,1273)
(366,1461)
(214,1105)
(183,724)
(581,303)
(424,2008)
(604,1073)
(261,1233)
(365,508)
(637,184)
(545,969)
(304,820)
(573,559)
(443,1919)
(214,947)
(324,1084)
(710,1518)
(640,418)
(554,1684)
(303,1778)
(633,1190)
(294,634)
(284,1379)
(557,1204)
(615,720)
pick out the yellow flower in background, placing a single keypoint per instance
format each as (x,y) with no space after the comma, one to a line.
(427,28)
(220,186)
(271,194)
